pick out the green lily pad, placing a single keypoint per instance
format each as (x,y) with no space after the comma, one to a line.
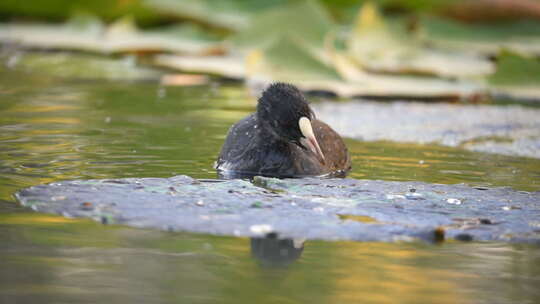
(63,9)
(90,35)
(304,21)
(376,48)
(517,78)
(288,59)
(231,66)
(228,14)
(82,66)
(522,37)
(516,70)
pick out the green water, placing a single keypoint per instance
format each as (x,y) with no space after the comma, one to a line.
(52,129)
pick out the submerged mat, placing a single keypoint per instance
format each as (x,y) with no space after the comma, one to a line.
(509,130)
(311,208)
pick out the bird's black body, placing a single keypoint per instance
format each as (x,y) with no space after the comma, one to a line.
(269,142)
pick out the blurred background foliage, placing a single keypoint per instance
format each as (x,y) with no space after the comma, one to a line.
(449,49)
(152,12)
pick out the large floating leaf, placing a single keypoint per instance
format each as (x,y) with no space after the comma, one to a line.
(331,209)
(385,87)
(517,77)
(516,70)
(511,130)
(305,21)
(314,66)
(362,83)
(81,66)
(92,36)
(287,60)
(376,48)
(226,66)
(228,14)
(291,60)
(522,37)
(62,9)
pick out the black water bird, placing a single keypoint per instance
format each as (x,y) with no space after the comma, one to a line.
(282,139)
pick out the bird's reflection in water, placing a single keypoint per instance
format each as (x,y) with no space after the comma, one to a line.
(271,251)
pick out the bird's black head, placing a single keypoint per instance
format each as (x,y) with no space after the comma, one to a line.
(280,108)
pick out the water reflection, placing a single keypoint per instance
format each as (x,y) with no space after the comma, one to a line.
(53,259)
(273,251)
(230,174)
(52,130)
(111,130)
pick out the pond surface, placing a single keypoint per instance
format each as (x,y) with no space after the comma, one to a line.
(53,129)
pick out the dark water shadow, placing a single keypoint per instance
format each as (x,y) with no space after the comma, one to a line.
(272,251)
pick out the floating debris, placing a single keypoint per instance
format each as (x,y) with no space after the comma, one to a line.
(358,218)
(87,206)
(485,221)
(414,196)
(464,237)
(508,208)
(453,201)
(261,229)
(183,80)
(257,205)
(439,234)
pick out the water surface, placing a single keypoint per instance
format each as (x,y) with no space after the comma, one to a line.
(53,129)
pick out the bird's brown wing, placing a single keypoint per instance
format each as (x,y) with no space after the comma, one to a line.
(332,145)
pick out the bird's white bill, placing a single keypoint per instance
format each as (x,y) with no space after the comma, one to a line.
(310,141)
